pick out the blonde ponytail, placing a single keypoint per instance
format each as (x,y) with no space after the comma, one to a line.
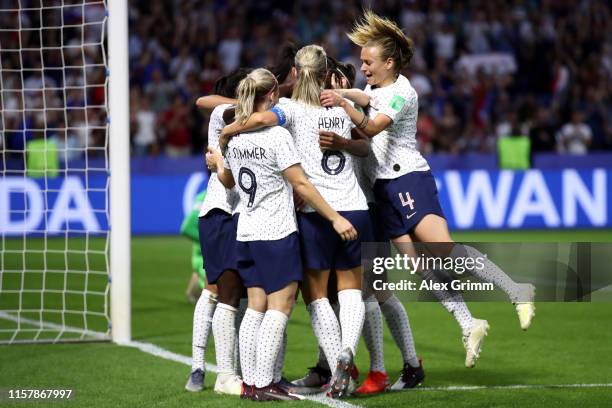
(251,89)
(311,64)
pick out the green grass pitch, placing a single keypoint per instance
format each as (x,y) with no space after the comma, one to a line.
(569,343)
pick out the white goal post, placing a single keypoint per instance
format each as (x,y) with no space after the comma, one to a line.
(119,151)
(65,256)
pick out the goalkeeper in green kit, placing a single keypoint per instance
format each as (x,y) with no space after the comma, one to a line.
(205,305)
(189,228)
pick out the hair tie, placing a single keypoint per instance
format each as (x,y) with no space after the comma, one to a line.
(271,91)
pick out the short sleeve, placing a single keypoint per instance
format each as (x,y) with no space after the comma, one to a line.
(286,153)
(287,107)
(216,124)
(395,103)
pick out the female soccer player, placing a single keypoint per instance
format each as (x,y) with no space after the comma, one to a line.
(206,302)
(377,303)
(217,232)
(332,173)
(261,163)
(404,187)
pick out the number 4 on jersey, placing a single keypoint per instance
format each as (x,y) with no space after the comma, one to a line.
(405,199)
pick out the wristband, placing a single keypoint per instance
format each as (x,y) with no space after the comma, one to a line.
(364,122)
(280,115)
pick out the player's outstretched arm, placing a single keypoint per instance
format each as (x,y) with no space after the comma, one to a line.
(257,120)
(210,102)
(370,127)
(356,95)
(296,177)
(215,162)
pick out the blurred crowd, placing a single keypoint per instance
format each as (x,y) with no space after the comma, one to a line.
(483,69)
(52,77)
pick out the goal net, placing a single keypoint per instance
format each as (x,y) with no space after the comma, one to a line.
(54,184)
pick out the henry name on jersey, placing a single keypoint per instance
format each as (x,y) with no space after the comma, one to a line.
(331,123)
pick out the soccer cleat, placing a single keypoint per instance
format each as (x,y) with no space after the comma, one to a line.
(525,308)
(247,391)
(229,384)
(285,384)
(340,384)
(410,378)
(526,313)
(473,341)
(273,393)
(376,382)
(195,382)
(316,376)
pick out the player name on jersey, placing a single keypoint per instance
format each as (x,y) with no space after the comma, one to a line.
(257,153)
(328,123)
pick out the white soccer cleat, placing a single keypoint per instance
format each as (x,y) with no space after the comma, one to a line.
(525,308)
(229,384)
(473,341)
(526,313)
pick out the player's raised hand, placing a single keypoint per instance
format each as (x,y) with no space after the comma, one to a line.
(345,229)
(331,98)
(338,83)
(331,140)
(334,82)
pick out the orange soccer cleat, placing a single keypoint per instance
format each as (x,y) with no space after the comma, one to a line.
(376,382)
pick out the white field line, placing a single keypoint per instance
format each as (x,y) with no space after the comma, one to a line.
(179,358)
(320,398)
(157,352)
(54,326)
(165,354)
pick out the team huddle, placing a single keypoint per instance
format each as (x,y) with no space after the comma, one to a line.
(304,169)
